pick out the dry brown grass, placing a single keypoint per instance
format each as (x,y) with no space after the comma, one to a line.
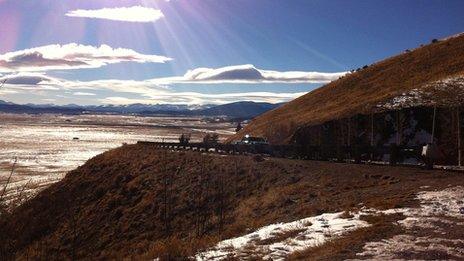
(359,92)
(113,206)
(174,248)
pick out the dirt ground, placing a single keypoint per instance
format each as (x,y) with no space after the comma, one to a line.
(140,202)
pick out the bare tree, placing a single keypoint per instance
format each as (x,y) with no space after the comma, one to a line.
(221,198)
(211,139)
(8,180)
(73,223)
(165,190)
(168,181)
(198,198)
(203,199)
(236,178)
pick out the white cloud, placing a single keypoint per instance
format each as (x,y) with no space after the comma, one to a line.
(3,92)
(28,79)
(84,94)
(249,74)
(71,56)
(138,14)
(193,98)
(144,88)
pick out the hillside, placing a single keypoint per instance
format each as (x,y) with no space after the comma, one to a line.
(123,204)
(425,70)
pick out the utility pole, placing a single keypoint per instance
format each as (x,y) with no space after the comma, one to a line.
(372,136)
(349,139)
(372,129)
(398,128)
(349,132)
(433,124)
(458,112)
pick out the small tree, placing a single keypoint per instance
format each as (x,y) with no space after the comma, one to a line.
(239,127)
(211,139)
(184,138)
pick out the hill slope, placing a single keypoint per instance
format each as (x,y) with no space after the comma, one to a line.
(114,206)
(239,109)
(364,90)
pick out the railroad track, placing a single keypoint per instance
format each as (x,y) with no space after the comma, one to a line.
(357,155)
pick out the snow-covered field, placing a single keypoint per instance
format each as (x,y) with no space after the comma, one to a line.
(48,146)
(277,241)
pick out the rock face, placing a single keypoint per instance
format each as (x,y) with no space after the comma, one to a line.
(371,136)
(423,76)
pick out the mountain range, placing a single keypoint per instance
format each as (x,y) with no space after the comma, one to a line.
(243,109)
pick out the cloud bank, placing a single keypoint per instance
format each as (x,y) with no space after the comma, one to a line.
(249,74)
(195,98)
(159,91)
(138,14)
(127,91)
(71,56)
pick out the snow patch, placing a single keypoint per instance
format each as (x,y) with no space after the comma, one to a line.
(277,241)
(446,92)
(439,210)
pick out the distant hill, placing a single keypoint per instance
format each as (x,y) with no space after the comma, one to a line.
(436,69)
(16,108)
(5,103)
(245,110)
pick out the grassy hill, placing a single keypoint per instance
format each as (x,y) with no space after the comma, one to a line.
(140,202)
(363,90)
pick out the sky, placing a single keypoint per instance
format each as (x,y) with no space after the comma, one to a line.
(94,52)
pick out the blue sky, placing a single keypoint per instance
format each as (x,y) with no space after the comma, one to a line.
(262,50)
